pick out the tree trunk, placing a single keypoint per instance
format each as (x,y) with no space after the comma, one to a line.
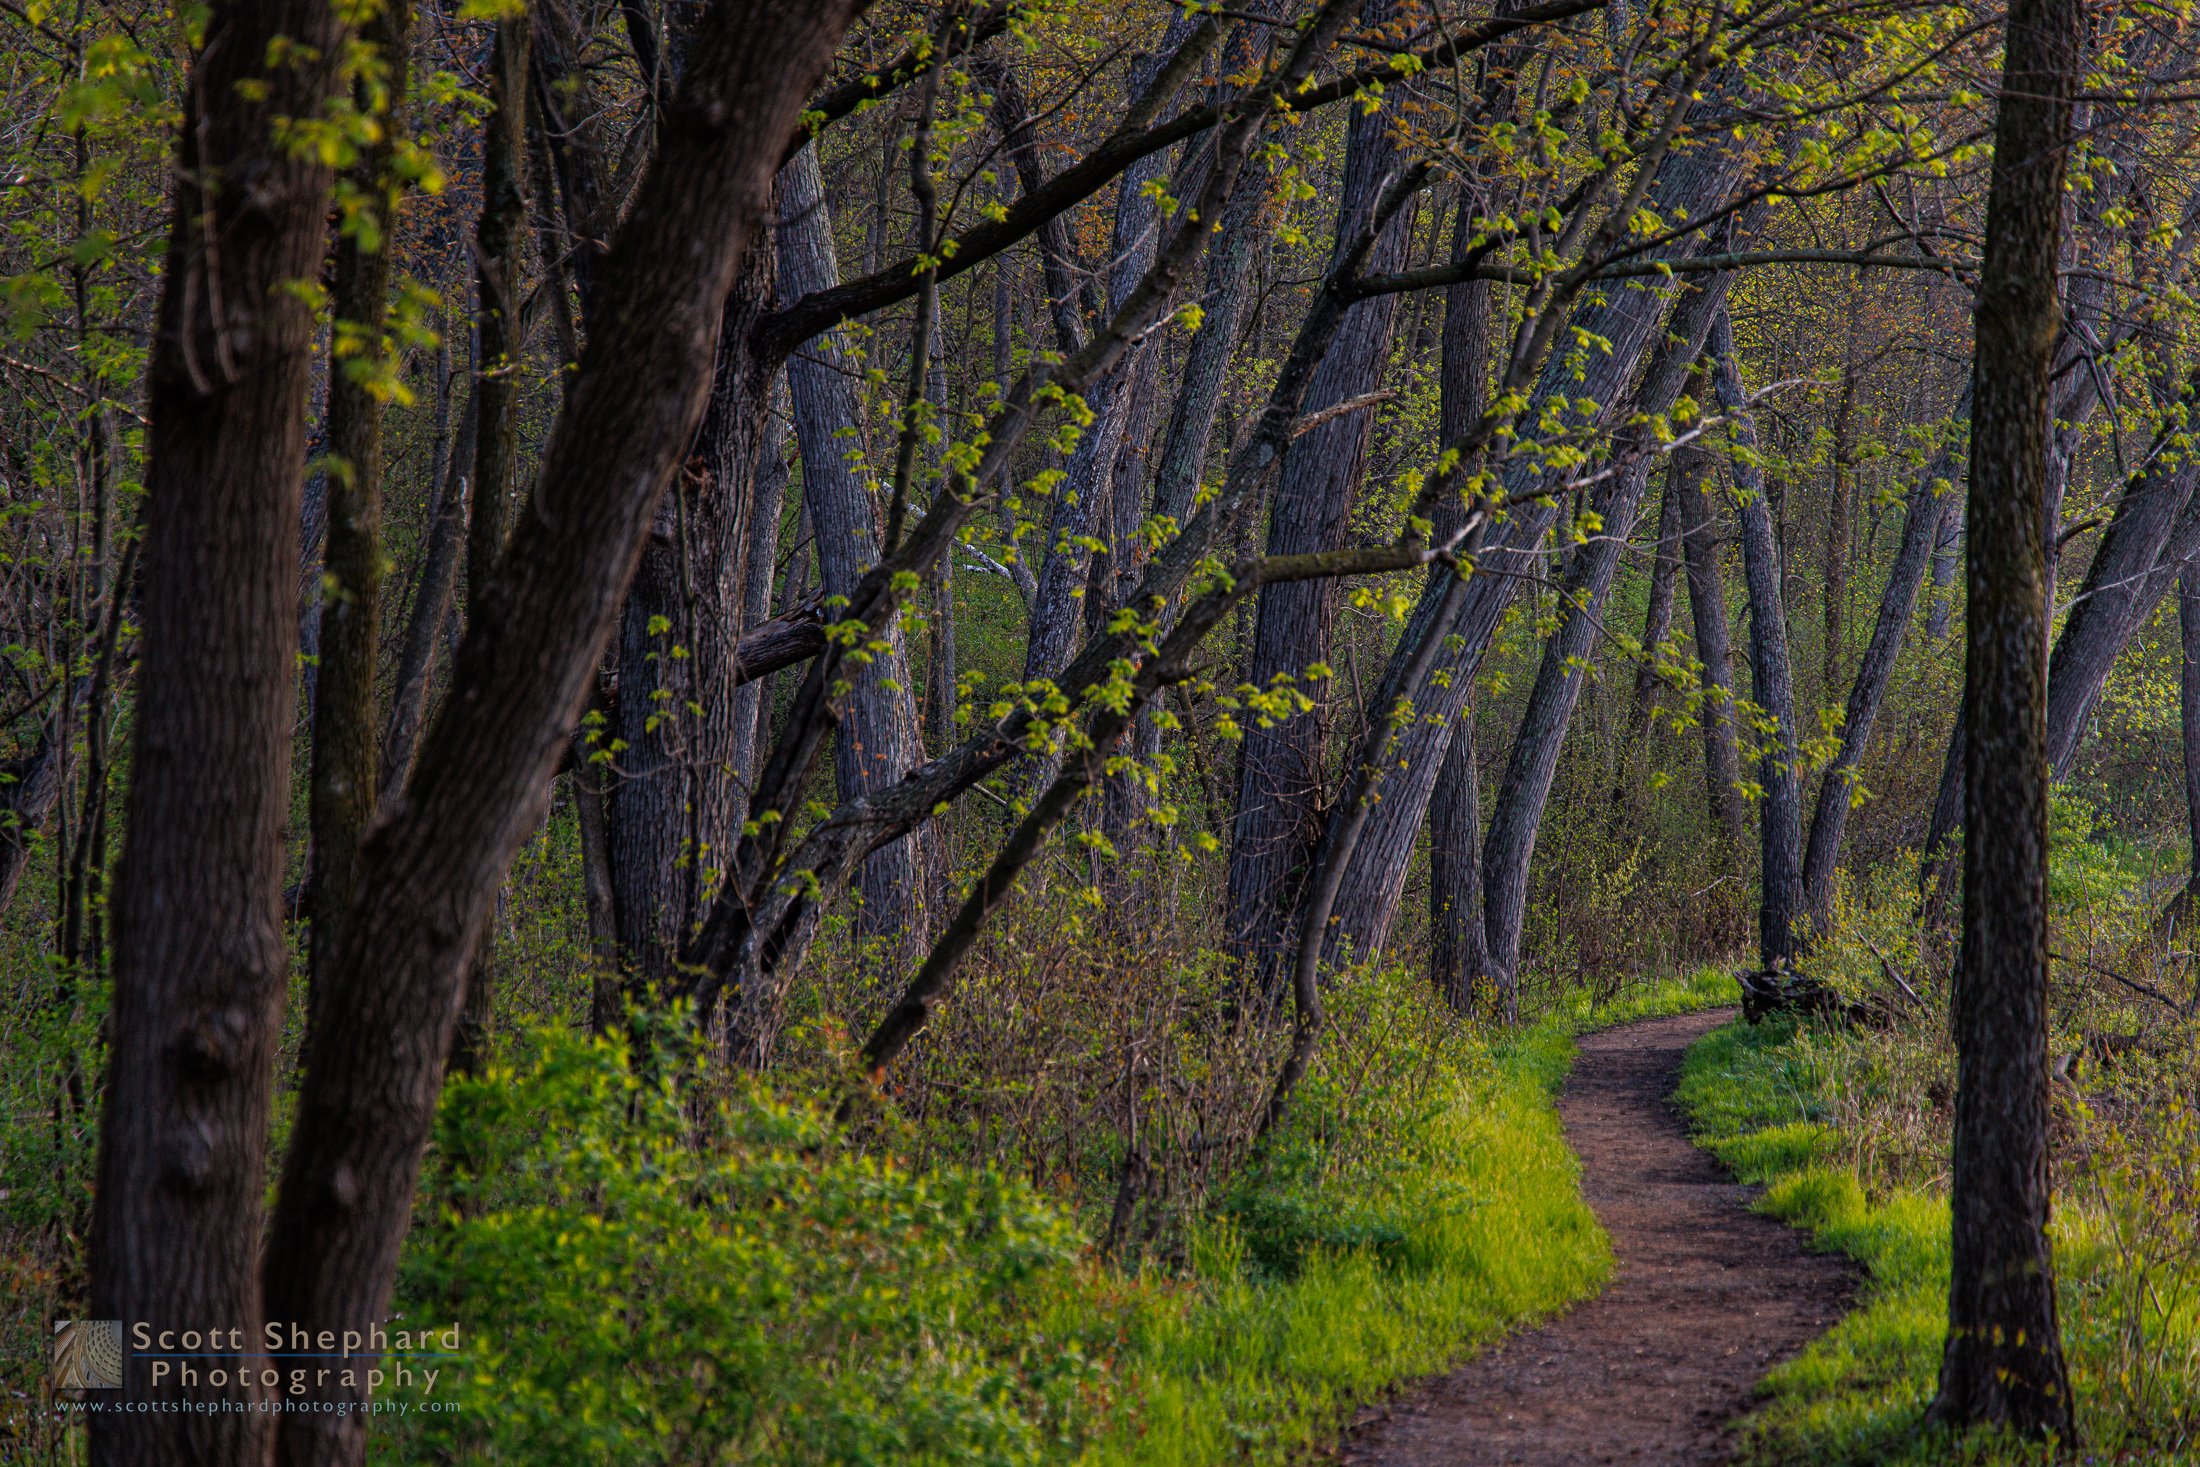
(433,863)
(1626,315)
(1458,953)
(200,960)
(1083,507)
(1772,680)
(1616,500)
(431,607)
(671,818)
(877,740)
(1280,775)
(2004,1363)
(1930,499)
(2188,709)
(1947,561)
(345,727)
(1722,766)
(1657,619)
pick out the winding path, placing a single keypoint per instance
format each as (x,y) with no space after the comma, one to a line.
(1706,1298)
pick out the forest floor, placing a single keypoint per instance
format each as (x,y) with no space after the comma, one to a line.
(1707,1296)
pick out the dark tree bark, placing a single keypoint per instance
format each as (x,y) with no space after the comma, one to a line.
(672,814)
(499,259)
(1616,500)
(345,725)
(436,584)
(876,741)
(1930,499)
(499,263)
(1280,775)
(1772,679)
(1700,547)
(1657,618)
(433,862)
(2188,723)
(200,961)
(2003,1362)
(1458,953)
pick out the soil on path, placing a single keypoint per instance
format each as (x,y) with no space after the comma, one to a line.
(1707,1296)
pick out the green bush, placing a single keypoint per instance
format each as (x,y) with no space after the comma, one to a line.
(636,1284)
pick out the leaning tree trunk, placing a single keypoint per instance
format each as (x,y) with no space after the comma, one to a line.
(877,739)
(1616,500)
(200,963)
(1928,503)
(431,867)
(1772,680)
(1722,765)
(1627,316)
(2003,1362)
(1280,766)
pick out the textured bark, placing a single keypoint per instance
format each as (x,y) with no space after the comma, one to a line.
(2188,722)
(876,740)
(752,702)
(1616,500)
(1930,498)
(1458,954)
(433,862)
(1947,562)
(200,963)
(1657,618)
(2003,1362)
(1772,679)
(1700,547)
(345,725)
(501,338)
(1058,264)
(574,128)
(1627,316)
(2130,573)
(1084,503)
(673,808)
(1280,772)
(1840,518)
(437,582)
(500,244)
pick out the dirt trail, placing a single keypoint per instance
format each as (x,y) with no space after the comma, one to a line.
(1707,1297)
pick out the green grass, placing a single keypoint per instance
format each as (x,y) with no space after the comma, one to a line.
(1706,988)
(1859,1393)
(1495,1236)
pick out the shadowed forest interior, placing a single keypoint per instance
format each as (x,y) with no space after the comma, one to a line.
(913,731)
